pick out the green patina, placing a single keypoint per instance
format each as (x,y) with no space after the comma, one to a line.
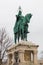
(21,26)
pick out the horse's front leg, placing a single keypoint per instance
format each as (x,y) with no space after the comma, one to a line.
(15,37)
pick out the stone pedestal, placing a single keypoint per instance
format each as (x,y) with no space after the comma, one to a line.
(23,49)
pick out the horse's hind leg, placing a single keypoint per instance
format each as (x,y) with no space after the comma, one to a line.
(25,36)
(18,38)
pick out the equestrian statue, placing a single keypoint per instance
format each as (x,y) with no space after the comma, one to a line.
(21,26)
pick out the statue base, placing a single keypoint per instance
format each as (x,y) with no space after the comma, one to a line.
(23,53)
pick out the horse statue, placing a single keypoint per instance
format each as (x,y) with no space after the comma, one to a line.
(21,26)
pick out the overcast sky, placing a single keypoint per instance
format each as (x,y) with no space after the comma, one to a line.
(8,10)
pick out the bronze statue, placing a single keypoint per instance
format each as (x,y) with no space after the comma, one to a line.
(21,26)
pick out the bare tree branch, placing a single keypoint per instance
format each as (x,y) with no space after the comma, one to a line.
(5,42)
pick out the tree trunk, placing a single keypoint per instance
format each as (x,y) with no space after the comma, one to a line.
(0,61)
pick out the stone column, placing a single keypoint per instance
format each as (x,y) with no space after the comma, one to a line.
(9,59)
(13,58)
(35,57)
(21,56)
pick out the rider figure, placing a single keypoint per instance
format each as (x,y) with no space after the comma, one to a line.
(19,14)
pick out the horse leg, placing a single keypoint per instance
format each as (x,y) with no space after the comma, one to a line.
(18,37)
(26,36)
(15,37)
(23,34)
